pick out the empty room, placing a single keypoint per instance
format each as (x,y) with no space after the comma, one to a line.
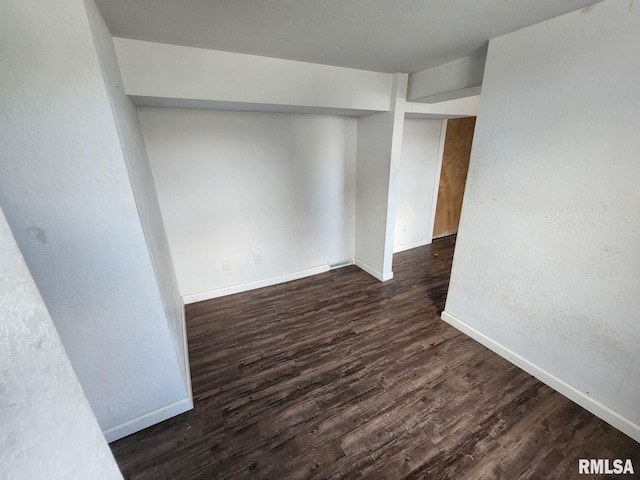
(319,239)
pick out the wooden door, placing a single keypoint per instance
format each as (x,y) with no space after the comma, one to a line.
(455,163)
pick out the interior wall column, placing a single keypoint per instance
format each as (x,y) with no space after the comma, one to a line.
(398,107)
(378,164)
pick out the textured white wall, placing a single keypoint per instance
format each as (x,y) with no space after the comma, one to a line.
(547,261)
(417,182)
(65,190)
(48,429)
(141,180)
(235,184)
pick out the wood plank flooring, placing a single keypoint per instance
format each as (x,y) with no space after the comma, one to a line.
(339,376)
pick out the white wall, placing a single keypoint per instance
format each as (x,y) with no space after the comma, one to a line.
(235,184)
(547,265)
(398,110)
(169,72)
(48,429)
(141,179)
(418,182)
(460,107)
(457,79)
(65,190)
(372,190)
(377,181)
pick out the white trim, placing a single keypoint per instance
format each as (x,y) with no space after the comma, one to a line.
(614,419)
(409,246)
(383,277)
(187,365)
(164,413)
(436,182)
(119,431)
(267,282)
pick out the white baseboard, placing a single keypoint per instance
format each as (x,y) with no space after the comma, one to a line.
(187,365)
(120,431)
(581,398)
(267,282)
(409,246)
(132,426)
(383,277)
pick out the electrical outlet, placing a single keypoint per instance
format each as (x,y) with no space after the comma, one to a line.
(226,264)
(404,228)
(257,258)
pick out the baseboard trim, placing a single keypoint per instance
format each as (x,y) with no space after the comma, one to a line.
(187,365)
(617,421)
(244,287)
(161,414)
(409,246)
(383,277)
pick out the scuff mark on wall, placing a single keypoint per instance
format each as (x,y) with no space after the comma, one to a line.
(38,234)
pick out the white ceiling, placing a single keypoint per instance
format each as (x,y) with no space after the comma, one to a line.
(380,35)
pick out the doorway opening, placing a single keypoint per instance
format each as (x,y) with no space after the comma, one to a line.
(453,175)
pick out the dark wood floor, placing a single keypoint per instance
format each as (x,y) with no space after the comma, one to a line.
(340,376)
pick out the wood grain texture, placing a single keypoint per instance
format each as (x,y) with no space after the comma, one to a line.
(455,164)
(339,376)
